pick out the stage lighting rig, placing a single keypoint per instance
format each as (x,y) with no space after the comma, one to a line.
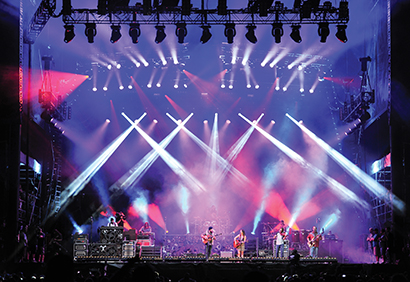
(69,33)
(206,33)
(230,32)
(357,107)
(258,12)
(295,34)
(277,31)
(181,32)
(323,31)
(250,35)
(115,33)
(134,32)
(160,34)
(341,33)
(90,31)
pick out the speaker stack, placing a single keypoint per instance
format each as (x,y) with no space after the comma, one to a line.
(110,245)
(111,234)
(80,246)
(128,249)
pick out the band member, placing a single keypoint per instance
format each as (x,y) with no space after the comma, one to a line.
(239,243)
(313,242)
(120,218)
(145,229)
(208,239)
(112,222)
(280,242)
(374,240)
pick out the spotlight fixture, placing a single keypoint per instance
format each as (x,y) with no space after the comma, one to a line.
(115,33)
(90,32)
(206,34)
(181,32)
(230,32)
(134,32)
(160,33)
(277,31)
(341,33)
(250,35)
(323,31)
(295,34)
(69,33)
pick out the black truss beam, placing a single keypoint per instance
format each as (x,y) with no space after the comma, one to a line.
(39,20)
(129,15)
(126,15)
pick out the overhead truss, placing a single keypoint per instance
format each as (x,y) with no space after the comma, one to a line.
(277,13)
(129,15)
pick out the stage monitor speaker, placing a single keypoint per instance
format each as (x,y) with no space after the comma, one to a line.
(109,234)
(226,254)
(151,251)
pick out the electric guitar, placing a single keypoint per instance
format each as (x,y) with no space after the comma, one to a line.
(311,243)
(208,238)
(238,242)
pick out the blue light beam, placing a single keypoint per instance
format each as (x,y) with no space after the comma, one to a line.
(176,166)
(344,193)
(359,175)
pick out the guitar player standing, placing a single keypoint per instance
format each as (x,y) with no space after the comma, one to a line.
(313,242)
(208,239)
(239,243)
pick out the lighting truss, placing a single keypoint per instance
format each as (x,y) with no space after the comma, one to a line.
(197,16)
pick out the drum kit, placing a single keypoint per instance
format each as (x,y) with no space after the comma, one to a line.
(297,238)
(220,225)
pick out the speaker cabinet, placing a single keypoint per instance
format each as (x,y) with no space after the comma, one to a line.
(110,234)
(80,250)
(130,235)
(128,249)
(331,248)
(151,251)
(105,250)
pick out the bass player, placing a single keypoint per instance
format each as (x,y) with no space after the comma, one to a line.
(313,241)
(239,243)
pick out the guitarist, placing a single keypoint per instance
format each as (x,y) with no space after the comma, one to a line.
(208,238)
(280,242)
(239,243)
(313,242)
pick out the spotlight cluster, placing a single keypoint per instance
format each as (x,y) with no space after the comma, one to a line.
(302,12)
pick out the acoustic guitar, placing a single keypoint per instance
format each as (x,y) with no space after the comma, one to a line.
(237,243)
(208,238)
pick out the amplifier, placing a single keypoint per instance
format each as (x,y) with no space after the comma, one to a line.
(130,235)
(128,249)
(151,251)
(80,249)
(80,238)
